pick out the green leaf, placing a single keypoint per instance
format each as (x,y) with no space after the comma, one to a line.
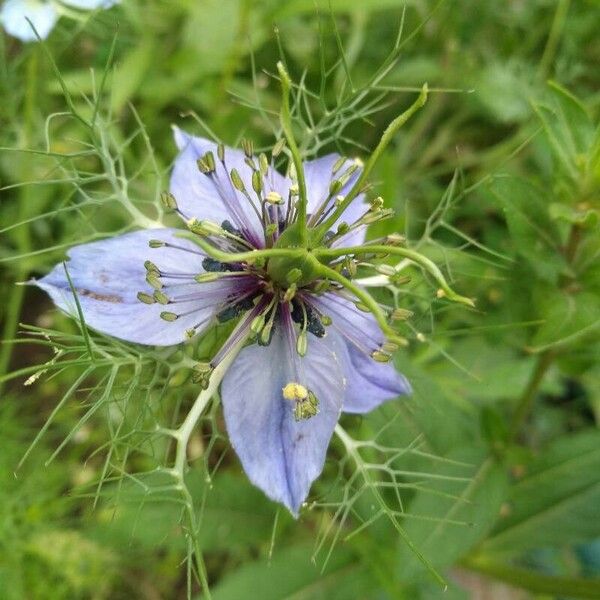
(568,318)
(556,502)
(475,503)
(129,74)
(291,573)
(533,233)
(568,128)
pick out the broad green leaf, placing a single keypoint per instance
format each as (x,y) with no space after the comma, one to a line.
(568,318)
(465,511)
(534,236)
(556,502)
(568,128)
(292,574)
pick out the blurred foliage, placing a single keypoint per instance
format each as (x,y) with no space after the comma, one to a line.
(491,466)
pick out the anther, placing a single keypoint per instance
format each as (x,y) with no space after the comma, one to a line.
(247,147)
(263,163)
(401,314)
(394,239)
(156,243)
(168,200)
(256,182)
(221,152)
(152,279)
(150,266)
(380,356)
(274,198)
(339,163)
(376,203)
(306,403)
(206,163)
(278,148)
(145,298)
(204,227)
(236,180)
(386,270)
(160,297)
(302,343)
(169,316)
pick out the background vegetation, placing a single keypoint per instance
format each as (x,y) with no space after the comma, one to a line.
(491,469)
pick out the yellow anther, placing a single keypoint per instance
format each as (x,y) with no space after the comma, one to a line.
(295,392)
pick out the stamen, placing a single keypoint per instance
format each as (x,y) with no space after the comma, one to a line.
(306,404)
(278,148)
(145,298)
(168,200)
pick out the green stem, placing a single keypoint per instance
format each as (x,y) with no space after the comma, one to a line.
(23,237)
(415,257)
(386,138)
(535,582)
(560,16)
(182,436)
(286,124)
(527,400)
(249,256)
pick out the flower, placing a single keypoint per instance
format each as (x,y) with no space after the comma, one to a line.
(314,350)
(43,15)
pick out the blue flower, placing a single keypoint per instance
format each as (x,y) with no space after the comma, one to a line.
(43,15)
(313,354)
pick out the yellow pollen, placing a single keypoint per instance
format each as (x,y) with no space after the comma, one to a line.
(295,391)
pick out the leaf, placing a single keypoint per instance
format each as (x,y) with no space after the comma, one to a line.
(534,235)
(234,514)
(129,74)
(291,573)
(568,317)
(557,501)
(476,503)
(568,128)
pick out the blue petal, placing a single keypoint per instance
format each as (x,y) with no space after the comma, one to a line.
(198,196)
(42,15)
(282,456)
(107,276)
(319,175)
(90,4)
(369,383)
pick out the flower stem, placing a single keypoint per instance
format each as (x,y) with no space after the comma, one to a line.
(412,255)
(286,124)
(386,138)
(182,436)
